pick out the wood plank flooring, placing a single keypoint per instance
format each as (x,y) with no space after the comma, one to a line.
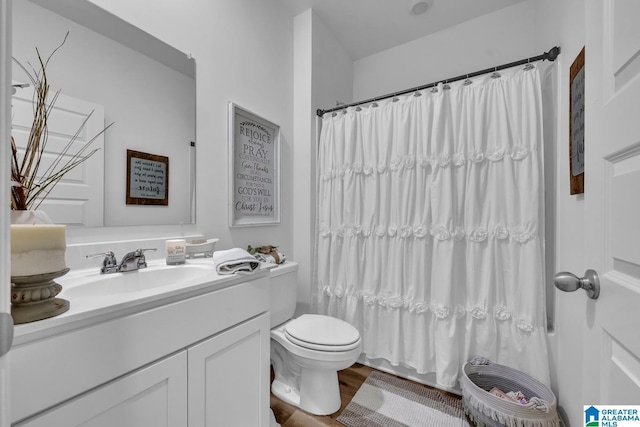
(350,381)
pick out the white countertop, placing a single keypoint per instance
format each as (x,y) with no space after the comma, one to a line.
(86,311)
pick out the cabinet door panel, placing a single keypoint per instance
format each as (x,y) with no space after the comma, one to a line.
(152,396)
(229,377)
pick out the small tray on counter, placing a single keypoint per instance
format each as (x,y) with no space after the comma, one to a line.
(200,248)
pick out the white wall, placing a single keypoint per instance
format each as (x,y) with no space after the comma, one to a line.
(243,52)
(152,106)
(332,68)
(563,23)
(304,154)
(322,74)
(496,38)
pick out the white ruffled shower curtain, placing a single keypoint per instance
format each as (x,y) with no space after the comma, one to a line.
(431,225)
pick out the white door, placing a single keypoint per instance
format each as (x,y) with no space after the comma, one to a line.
(612,202)
(5,263)
(78,199)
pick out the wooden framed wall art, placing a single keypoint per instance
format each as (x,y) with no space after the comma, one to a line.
(147,179)
(254,167)
(576,125)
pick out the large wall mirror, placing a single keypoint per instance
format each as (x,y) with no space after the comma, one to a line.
(142,85)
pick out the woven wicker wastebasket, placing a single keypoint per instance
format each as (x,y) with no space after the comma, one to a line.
(485,409)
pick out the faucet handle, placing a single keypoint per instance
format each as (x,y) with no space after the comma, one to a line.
(139,253)
(107,255)
(142,261)
(134,260)
(109,263)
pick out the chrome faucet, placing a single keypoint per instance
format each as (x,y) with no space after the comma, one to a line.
(134,260)
(130,262)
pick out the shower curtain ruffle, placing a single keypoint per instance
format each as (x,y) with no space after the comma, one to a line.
(430,233)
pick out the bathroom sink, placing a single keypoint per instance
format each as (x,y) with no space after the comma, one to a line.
(146,279)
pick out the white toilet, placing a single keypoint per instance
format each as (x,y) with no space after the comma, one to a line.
(307,352)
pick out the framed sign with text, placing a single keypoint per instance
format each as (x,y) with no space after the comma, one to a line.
(147,179)
(576,125)
(254,167)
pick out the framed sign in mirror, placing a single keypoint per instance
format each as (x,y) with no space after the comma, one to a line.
(147,179)
(254,167)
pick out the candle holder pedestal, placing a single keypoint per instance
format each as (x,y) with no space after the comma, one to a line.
(33,297)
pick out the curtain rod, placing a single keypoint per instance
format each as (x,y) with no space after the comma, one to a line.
(551,55)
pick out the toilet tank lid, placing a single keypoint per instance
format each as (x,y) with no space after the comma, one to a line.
(322,330)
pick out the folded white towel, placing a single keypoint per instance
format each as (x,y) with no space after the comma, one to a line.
(234,260)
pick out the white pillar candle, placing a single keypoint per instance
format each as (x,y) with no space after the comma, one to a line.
(175,251)
(37,249)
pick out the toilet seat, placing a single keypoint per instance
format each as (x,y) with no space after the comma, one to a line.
(323,333)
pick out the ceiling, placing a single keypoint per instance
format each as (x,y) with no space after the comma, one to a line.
(365,27)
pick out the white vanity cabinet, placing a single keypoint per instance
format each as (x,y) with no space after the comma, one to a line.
(197,359)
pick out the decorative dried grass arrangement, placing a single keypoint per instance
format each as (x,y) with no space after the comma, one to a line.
(28,188)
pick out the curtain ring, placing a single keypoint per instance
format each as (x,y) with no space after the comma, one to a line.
(467,82)
(496,74)
(417,93)
(446,85)
(529,65)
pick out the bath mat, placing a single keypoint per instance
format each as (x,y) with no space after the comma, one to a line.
(387,401)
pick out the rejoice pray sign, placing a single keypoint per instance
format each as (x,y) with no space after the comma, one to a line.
(254,164)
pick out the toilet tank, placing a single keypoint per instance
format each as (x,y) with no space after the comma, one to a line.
(283,291)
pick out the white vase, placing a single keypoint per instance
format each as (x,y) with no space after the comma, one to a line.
(30,217)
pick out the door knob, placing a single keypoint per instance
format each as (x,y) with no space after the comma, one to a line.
(569,282)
